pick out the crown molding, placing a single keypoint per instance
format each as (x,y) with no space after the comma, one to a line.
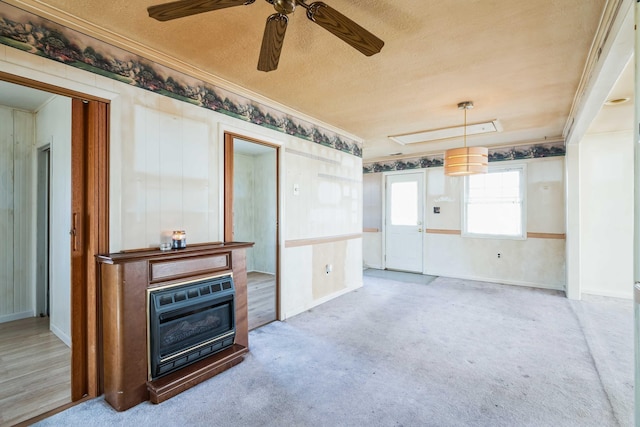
(610,51)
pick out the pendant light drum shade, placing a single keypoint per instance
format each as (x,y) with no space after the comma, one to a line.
(466,161)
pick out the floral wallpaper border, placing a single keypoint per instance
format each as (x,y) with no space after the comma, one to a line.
(23,30)
(518,152)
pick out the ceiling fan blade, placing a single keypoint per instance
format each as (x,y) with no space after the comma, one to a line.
(344,28)
(272,42)
(182,8)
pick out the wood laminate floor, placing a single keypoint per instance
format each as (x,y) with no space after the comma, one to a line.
(35,370)
(261,298)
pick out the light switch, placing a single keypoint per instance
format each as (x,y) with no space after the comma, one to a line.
(296,189)
(436,209)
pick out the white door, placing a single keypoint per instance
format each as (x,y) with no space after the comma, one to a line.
(403,221)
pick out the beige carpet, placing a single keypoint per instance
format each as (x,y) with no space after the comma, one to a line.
(396,353)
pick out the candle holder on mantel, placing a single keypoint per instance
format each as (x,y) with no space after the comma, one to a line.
(179,239)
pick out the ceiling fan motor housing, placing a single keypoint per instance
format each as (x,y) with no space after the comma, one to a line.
(284,6)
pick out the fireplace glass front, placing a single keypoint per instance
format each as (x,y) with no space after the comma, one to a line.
(188,322)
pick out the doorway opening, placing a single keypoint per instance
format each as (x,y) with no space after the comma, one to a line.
(251,215)
(59,141)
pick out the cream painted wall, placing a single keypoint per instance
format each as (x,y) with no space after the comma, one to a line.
(372,251)
(536,262)
(16,167)
(169,174)
(166,170)
(606,214)
(53,128)
(327,203)
(329,200)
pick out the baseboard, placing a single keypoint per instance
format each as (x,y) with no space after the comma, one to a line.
(375,267)
(335,295)
(601,293)
(294,312)
(502,281)
(16,316)
(319,301)
(262,272)
(58,332)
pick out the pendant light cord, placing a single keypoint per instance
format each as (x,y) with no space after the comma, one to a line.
(465,127)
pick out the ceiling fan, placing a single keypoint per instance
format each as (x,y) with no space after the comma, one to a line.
(318,12)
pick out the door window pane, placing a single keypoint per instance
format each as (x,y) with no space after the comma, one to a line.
(404,203)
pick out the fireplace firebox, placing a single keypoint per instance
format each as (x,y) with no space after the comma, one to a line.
(188,322)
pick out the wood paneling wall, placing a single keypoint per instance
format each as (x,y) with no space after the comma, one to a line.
(16,207)
(6,212)
(23,225)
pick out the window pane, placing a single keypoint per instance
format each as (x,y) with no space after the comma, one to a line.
(494,203)
(494,218)
(404,203)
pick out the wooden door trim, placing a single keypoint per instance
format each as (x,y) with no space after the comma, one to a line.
(57,90)
(228,187)
(228,198)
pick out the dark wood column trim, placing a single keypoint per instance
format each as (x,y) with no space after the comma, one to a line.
(98,233)
(89,236)
(79,371)
(228,187)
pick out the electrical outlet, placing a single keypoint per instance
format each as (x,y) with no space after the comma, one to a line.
(329,268)
(499,255)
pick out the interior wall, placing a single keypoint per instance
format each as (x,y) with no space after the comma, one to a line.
(372,251)
(16,207)
(536,261)
(53,128)
(169,175)
(323,225)
(166,172)
(606,207)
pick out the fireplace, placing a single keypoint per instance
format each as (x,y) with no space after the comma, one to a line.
(208,276)
(188,322)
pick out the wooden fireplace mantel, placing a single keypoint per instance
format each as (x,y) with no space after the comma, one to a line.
(125,277)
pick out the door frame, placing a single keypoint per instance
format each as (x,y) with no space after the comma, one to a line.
(384,212)
(90,219)
(228,198)
(43,223)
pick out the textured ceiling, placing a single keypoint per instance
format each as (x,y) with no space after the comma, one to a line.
(519,61)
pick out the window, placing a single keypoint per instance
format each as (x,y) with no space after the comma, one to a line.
(494,204)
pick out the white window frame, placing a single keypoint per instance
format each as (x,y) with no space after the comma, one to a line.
(522,168)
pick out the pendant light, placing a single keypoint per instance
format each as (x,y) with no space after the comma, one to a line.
(466,160)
